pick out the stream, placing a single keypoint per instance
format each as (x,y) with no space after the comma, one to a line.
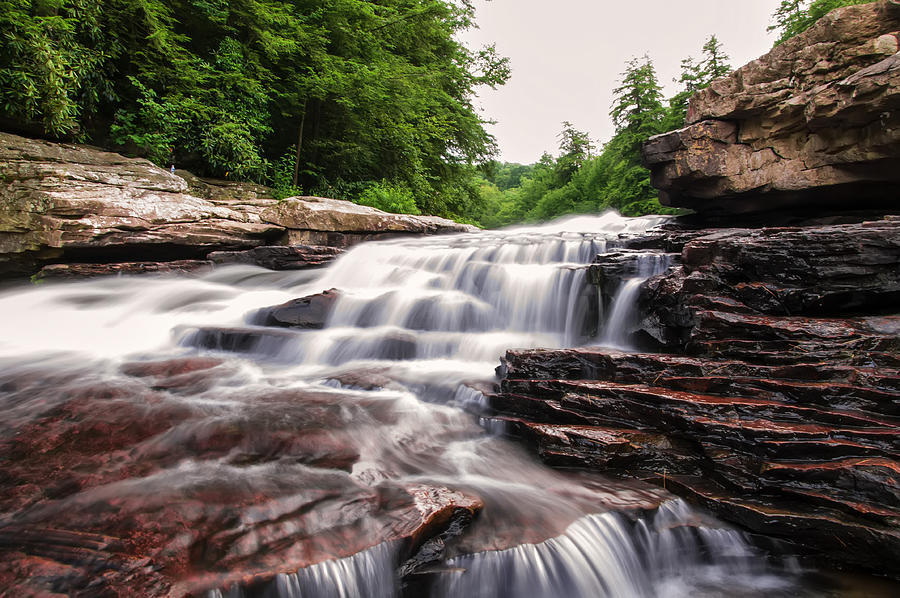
(311,431)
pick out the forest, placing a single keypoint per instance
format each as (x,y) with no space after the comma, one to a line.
(366,100)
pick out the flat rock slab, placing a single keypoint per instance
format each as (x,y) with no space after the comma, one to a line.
(77,204)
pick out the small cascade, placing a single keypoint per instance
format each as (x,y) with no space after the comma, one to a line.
(621,317)
(370,574)
(671,554)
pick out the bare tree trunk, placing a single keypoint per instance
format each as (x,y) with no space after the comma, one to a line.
(299,145)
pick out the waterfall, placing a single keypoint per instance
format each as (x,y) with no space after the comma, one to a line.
(615,332)
(607,556)
(390,382)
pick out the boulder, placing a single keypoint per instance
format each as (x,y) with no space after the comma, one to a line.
(86,211)
(305,312)
(65,203)
(813,123)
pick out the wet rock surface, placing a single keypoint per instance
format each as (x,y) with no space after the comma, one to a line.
(812,123)
(280,257)
(775,401)
(305,312)
(128,484)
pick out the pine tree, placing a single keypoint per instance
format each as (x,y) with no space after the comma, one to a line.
(715,62)
(575,149)
(637,106)
(695,76)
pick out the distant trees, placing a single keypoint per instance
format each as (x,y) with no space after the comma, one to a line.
(581,180)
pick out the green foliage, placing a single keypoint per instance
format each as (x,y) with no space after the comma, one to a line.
(364,90)
(796,16)
(389,198)
(282,178)
(696,75)
(49,52)
(577,180)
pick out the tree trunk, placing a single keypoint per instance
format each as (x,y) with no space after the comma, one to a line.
(299,145)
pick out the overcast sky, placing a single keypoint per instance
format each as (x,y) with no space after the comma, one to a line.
(567,56)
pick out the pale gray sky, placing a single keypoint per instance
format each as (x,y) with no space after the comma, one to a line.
(567,56)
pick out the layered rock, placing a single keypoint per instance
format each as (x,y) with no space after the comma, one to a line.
(778,404)
(813,123)
(88,209)
(337,223)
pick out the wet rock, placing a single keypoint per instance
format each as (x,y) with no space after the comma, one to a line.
(811,123)
(305,312)
(778,405)
(239,340)
(184,481)
(279,257)
(78,271)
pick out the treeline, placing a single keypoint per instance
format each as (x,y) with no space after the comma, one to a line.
(346,98)
(368,100)
(580,179)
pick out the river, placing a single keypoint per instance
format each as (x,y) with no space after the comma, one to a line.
(285,447)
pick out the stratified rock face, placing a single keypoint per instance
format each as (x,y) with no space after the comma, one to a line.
(280,257)
(815,122)
(79,211)
(779,408)
(77,202)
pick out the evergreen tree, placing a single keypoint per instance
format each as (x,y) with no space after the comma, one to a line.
(637,106)
(695,76)
(575,149)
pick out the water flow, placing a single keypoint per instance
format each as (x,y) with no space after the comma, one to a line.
(616,329)
(367,407)
(670,554)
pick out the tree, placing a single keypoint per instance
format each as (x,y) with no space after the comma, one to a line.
(637,106)
(49,53)
(575,149)
(697,75)
(714,63)
(355,92)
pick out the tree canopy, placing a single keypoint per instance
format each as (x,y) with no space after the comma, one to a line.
(369,100)
(346,93)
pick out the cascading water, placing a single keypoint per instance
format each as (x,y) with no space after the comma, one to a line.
(615,331)
(416,323)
